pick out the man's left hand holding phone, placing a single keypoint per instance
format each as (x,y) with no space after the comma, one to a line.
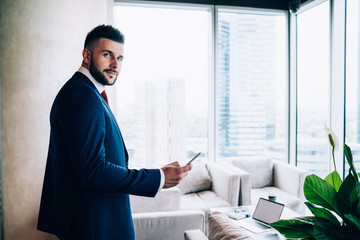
(174,173)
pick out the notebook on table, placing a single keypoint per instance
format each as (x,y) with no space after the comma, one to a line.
(266,212)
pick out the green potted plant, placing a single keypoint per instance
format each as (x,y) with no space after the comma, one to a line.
(334,203)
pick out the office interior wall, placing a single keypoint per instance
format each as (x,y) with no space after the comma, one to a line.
(41,44)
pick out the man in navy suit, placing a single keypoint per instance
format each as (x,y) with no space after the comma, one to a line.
(87,182)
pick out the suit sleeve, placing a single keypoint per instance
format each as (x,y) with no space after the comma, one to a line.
(81,119)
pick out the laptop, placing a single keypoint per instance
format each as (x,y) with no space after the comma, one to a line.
(266,212)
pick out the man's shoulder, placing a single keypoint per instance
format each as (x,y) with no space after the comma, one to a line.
(78,82)
(79,79)
(76,88)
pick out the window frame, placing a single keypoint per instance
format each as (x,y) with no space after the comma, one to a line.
(337,79)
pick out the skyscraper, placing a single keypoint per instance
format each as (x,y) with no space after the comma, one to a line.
(246,84)
(160,122)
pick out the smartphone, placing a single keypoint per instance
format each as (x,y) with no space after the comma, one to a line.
(193,158)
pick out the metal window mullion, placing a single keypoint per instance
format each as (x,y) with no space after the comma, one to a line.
(212,86)
(337,78)
(292,101)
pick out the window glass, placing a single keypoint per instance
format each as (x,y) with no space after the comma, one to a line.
(352,135)
(313,84)
(162,91)
(251,85)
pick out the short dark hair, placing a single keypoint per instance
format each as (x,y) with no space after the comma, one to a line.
(104,31)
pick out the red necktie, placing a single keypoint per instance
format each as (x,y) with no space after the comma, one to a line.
(103,94)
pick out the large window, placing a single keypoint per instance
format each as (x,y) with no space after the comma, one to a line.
(313,86)
(251,84)
(162,91)
(352,136)
(215,79)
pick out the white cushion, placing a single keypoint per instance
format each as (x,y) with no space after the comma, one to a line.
(165,200)
(195,235)
(202,200)
(197,180)
(221,227)
(259,168)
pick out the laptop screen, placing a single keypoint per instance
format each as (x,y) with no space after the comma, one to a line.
(268,211)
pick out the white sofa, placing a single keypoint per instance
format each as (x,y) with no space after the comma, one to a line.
(223,190)
(167,225)
(165,200)
(160,217)
(208,185)
(262,176)
(217,187)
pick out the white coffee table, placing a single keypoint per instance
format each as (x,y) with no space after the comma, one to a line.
(269,234)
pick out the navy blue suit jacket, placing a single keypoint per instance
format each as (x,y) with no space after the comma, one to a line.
(87,182)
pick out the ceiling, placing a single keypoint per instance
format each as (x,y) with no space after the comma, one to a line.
(269,4)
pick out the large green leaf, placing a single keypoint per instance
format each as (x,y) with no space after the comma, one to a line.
(350,161)
(294,228)
(322,213)
(347,198)
(354,220)
(319,192)
(334,180)
(327,231)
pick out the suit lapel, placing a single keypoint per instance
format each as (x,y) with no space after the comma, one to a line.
(114,119)
(109,110)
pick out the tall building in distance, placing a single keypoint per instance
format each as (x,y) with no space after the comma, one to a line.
(223,88)
(246,84)
(160,123)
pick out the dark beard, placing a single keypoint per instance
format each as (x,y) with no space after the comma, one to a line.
(99,76)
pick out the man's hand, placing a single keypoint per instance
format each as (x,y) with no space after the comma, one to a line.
(174,173)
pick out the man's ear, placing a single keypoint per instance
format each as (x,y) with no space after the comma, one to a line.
(86,55)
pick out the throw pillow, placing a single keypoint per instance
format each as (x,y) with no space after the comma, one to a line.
(197,180)
(259,168)
(221,227)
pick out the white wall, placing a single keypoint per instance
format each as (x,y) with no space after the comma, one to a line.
(41,44)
